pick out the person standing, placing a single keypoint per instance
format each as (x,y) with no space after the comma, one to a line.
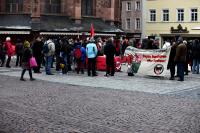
(91,52)
(2,54)
(27,54)
(180,58)
(80,56)
(19,52)
(195,56)
(109,51)
(9,50)
(49,53)
(37,53)
(171,63)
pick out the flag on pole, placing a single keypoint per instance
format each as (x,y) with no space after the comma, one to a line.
(92,31)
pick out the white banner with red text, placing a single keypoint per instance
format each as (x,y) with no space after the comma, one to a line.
(148,62)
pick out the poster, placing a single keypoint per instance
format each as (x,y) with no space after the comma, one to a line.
(148,62)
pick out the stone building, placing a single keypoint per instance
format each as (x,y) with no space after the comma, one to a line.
(59,17)
(131,18)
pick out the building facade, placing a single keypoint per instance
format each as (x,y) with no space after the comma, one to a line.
(176,18)
(131,18)
(53,16)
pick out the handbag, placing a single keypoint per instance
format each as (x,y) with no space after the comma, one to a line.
(33,62)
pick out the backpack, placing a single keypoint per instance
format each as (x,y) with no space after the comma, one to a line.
(77,53)
(45,48)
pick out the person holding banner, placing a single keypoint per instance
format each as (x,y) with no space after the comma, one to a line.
(180,58)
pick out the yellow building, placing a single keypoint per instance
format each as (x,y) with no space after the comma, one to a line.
(168,19)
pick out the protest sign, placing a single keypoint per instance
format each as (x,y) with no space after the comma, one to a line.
(149,62)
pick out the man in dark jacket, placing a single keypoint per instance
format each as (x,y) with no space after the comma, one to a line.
(2,53)
(19,52)
(171,63)
(109,51)
(180,58)
(195,56)
(37,53)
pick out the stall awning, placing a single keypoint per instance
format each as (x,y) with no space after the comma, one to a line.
(14,32)
(75,34)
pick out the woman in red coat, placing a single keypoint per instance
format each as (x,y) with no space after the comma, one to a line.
(9,50)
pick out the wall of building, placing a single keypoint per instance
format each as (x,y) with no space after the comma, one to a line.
(132,14)
(159,27)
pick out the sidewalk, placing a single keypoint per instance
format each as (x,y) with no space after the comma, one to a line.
(120,81)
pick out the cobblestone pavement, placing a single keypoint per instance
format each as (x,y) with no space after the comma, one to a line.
(81,104)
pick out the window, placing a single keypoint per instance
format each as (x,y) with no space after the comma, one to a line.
(166,15)
(14,6)
(152,15)
(53,6)
(87,8)
(137,5)
(137,26)
(128,23)
(194,14)
(180,14)
(128,6)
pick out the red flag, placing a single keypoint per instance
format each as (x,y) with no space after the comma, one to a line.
(91,30)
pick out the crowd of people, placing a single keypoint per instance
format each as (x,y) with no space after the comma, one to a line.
(67,53)
(64,52)
(183,53)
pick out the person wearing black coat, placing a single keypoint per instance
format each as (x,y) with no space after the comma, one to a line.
(109,51)
(37,53)
(171,63)
(19,51)
(195,56)
(27,54)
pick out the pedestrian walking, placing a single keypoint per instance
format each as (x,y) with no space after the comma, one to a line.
(91,52)
(27,54)
(109,51)
(9,50)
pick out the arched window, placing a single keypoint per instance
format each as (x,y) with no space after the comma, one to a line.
(87,8)
(14,6)
(52,6)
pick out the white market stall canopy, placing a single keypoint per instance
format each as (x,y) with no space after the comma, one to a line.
(75,34)
(14,32)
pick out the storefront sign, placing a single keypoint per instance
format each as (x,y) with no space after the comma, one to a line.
(149,62)
(179,29)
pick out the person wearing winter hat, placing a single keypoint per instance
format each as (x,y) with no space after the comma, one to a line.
(27,54)
(9,51)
